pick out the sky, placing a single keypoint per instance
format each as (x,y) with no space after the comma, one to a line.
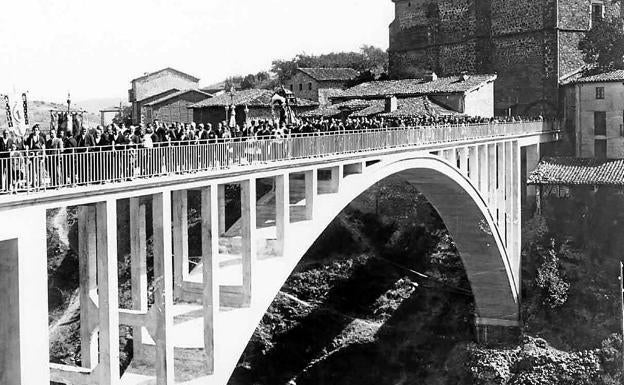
(94,48)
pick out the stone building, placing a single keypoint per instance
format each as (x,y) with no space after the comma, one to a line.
(251,104)
(594,111)
(319,84)
(471,95)
(174,107)
(152,86)
(530,44)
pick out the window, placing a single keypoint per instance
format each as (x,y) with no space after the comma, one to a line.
(597,13)
(300,86)
(291,87)
(600,148)
(309,86)
(600,93)
(600,123)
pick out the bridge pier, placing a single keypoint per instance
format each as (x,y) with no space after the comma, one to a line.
(311,191)
(138,272)
(248,247)
(494,332)
(87,262)
(24,358)
(180,242)
(282,211)
(210,253)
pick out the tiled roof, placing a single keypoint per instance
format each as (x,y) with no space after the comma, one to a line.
(416,87)
(408,107)
(323,112)
(176,94)
(419,106)
(251,97)
(191,77)
(609,76)
(329,74)
(578,171)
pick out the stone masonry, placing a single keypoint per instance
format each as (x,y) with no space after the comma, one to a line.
(530,44)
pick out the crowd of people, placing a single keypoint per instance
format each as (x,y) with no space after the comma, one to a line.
(155,134)
(21,155)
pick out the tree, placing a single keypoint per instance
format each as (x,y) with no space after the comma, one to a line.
(603,45)
(369,58)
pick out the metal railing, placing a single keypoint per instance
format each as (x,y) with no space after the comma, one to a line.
(31,171)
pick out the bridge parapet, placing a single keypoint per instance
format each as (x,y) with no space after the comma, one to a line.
(26,172)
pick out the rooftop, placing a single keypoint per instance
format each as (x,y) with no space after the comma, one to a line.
(578,171)
(418,87)
(329,74)
(601,77)
(183,74)
(407,107)
(175,95)
(252,97)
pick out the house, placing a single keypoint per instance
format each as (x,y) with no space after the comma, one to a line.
(593,109)
(251,104)
(471,95)
(318,84)
(144,88)
(174,107)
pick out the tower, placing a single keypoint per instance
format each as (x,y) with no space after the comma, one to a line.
(530,44)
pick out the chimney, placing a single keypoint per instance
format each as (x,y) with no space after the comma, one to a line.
(391,104)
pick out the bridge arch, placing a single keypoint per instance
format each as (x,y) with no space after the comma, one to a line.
(463,211)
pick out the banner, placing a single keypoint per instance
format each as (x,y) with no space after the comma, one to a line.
(19,113)
(9,115)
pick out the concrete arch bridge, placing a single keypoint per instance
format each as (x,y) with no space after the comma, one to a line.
(203,317)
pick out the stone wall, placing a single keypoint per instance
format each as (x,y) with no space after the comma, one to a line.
(520,40)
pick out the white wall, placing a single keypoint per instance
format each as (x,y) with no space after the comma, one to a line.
(613,105)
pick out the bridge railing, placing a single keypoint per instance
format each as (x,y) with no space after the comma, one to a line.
(30,171)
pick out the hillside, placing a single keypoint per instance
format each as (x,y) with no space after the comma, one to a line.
(39,112)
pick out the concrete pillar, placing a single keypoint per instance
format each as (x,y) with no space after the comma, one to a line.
(221,195)
(473,165)
(282,211)
(336,178)
(500,189)
(463,160)
(24,339)
(210,259)
(516,215)
(493,178)
(483,171)
(138,271)
(108,296)
(248,233)
(87,266)
(532,160)
(163,288)
(311,191)
(180,241)
(450,155)
(509,192)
